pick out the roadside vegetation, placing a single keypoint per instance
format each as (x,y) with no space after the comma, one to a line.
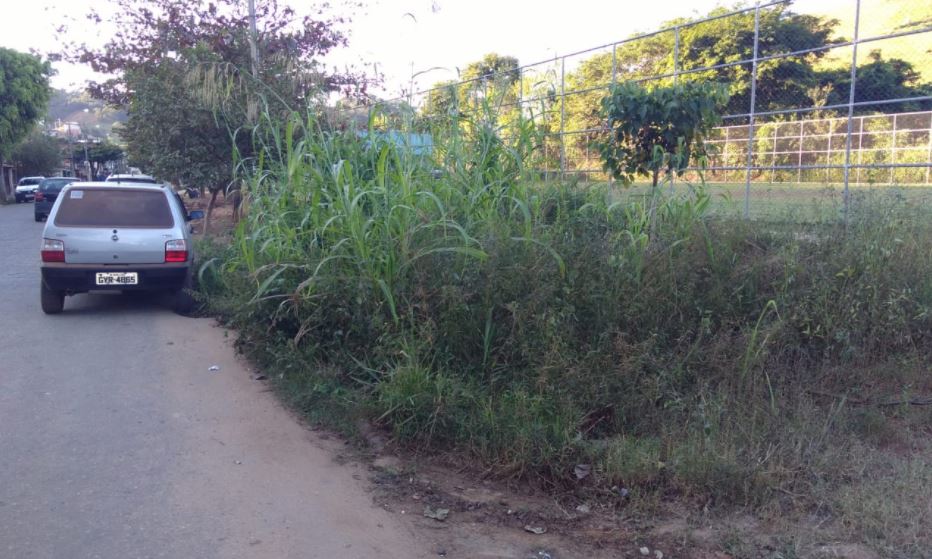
(24,96)
(534,327)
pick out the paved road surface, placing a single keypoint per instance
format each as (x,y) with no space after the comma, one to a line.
(117,442)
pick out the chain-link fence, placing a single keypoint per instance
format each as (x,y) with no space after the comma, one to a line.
(822,101)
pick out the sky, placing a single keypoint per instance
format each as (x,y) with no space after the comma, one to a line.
(431,38)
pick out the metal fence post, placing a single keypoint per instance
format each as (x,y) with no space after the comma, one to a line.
(676,64)
(614,63)
(725,161)
(676,53)
(773,154)
(611,179)
(854,75)
(747,176)
(799,159)
(828,152)
(563,118)
(893,153)
(930,149)
(860,149)
(521,92)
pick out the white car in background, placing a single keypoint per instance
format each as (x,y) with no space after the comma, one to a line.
(26,188)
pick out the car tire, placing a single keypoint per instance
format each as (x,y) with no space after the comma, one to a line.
(19,199)
(53,302)
(39,218)
(183,300)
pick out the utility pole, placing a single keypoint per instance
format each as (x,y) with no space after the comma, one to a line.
(87,164)
(71,149)
(253,39)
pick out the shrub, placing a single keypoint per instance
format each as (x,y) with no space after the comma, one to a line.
(659,128)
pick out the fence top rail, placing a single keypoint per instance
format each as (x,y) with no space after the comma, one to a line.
(832,107)
(679,72)
(692,23)
(835,118)
(613,44)
(688,71)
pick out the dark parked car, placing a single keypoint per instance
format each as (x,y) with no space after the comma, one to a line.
(47,193)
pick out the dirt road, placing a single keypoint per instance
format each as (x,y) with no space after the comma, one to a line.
(116,441)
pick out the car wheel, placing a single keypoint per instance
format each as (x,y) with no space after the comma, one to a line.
(183,301)
(39,217)
(53,302)
(19,199)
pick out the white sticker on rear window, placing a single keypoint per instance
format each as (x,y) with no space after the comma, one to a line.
(77,194)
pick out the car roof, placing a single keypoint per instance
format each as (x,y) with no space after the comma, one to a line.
(128,176)
(35,177)
(115,186)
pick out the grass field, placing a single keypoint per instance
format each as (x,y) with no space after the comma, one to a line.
(803,202)
(807,201)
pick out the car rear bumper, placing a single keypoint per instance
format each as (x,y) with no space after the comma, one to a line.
(81,278)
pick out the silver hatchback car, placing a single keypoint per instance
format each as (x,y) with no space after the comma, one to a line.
(107,236)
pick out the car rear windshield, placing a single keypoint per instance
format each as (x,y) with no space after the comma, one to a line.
(54,185)
(28,182)
(109,207)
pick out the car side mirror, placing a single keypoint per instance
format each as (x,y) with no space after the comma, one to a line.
(195,214)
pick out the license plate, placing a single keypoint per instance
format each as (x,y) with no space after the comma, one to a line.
(117,278)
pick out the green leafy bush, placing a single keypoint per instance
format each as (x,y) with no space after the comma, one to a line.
(658,129)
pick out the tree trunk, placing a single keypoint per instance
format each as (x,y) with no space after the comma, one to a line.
(236,197)
(210,209)
(3,193)
(653,207)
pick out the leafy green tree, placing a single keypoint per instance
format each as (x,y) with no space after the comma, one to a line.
(38,154)
(491,80)
(171,134)
(658,129)
(781,83)
(24,95)
(185,73)
(441,101)
(878,80)
(492,70)
(99,154)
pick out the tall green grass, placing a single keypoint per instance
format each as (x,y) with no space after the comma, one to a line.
(468,308)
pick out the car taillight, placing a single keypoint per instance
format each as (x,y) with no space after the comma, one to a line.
(176,251)
(40,197)
(53,250)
